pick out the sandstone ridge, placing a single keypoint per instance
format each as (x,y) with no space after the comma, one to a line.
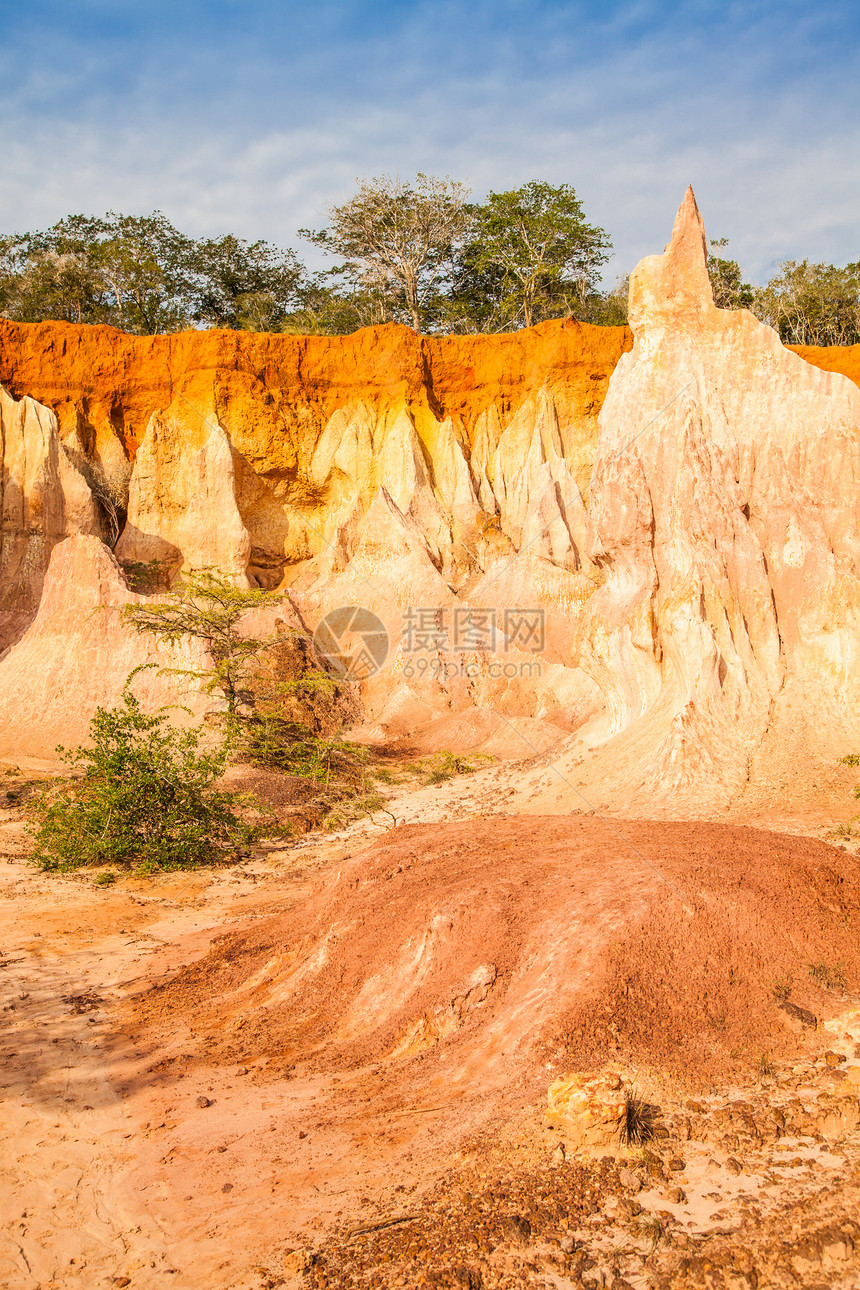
(678,505)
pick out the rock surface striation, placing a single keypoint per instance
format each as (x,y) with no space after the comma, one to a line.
(674,504)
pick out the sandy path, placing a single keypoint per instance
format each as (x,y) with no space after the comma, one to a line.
(72,1108)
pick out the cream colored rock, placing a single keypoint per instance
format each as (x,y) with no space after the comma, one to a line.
(78,653)
(182,509)
(211,533)
(43,499)
(723,512)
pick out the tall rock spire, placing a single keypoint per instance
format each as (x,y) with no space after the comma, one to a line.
(723,513)
(675,284)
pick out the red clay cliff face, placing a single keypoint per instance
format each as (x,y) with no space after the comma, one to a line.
(99,380)
(315,426)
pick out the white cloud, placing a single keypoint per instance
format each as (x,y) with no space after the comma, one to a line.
(769,141)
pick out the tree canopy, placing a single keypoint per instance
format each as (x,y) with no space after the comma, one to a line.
(416,252)
(808,304)
(730,291)
(141,274)
(243,285)
(812,304)
(530,255)
(398,239)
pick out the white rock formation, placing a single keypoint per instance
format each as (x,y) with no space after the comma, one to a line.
(182,507)
(43,499)
(723,513)
(78,653)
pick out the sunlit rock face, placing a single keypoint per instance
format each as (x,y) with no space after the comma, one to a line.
(723,512)
(43,499)
(182,510)
(481,440)
(677,502)
(78,653)
(382,469)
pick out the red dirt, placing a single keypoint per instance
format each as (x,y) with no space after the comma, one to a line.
(432,986)
(506,934)
(367,1019)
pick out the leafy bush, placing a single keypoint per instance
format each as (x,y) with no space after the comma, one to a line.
(147,798)
(344,772)
(853,759)
(445,765)
(286,745)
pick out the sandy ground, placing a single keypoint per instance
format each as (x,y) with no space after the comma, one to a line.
(198,1079)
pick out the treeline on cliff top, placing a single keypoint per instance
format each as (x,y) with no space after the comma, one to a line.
(416,252)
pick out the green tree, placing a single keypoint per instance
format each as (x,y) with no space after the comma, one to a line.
(812,304)
(144,261)
(398,239)
(607,308)
(209,608)
(126,270)
(326,308)
(54,274)
(249,286)
(730,291)
(11,263)
(147,797)
(530,255)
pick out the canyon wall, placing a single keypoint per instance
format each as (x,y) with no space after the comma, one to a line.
(676,503)
(303,431)
(724,513)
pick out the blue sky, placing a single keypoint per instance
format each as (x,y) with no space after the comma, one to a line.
(252,116)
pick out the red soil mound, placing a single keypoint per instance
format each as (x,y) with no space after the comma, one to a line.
(486,948)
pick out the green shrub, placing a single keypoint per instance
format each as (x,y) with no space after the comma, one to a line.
(445,765)
(344,774)
(853,759)
(146,798)
(285,745)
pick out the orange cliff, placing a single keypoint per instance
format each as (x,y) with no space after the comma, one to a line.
(259,452)
(100,381)
(844,359)
(486,442)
